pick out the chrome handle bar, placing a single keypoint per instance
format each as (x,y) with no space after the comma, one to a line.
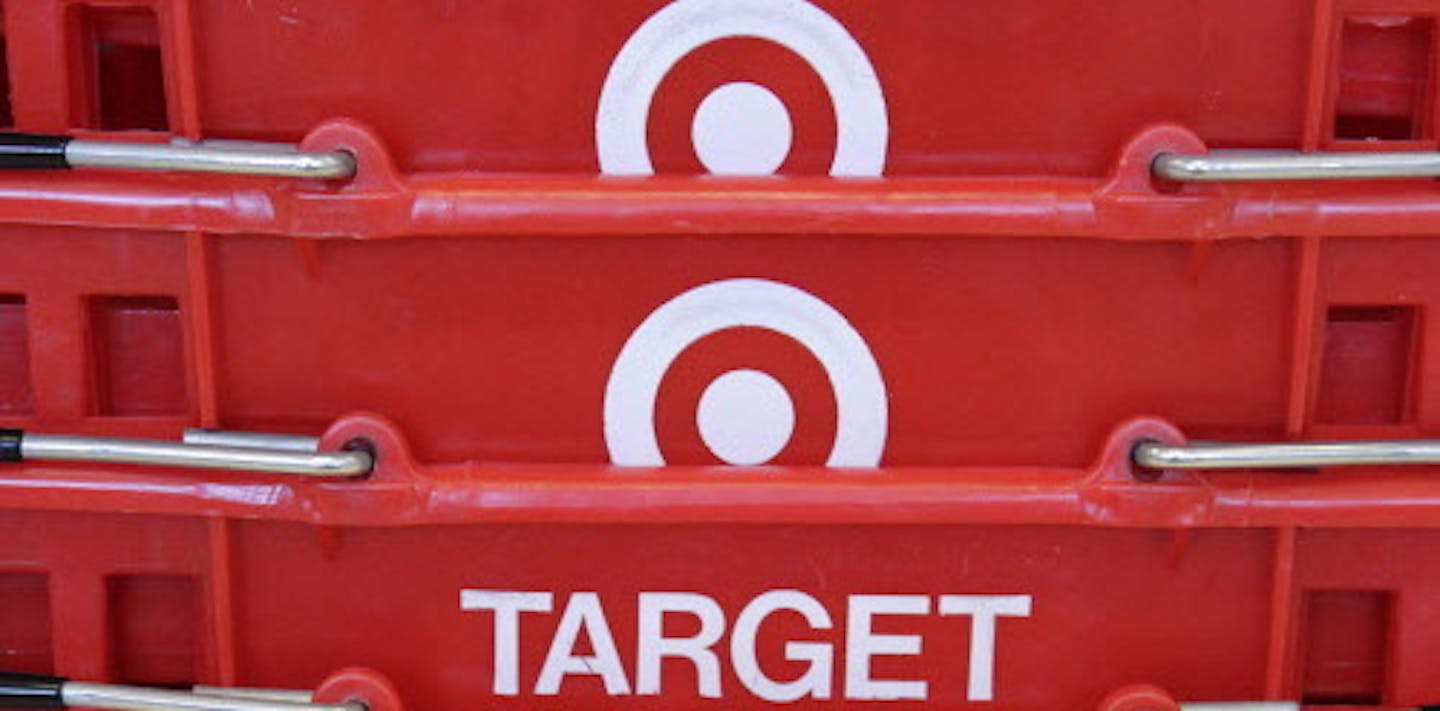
(254,440)
(1223,166)
(275,160)
(269,458)
(34,691)
(1239,706)
(77,694)
(1285,455)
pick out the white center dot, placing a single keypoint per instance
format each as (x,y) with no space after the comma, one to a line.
(745,417)
(741,128)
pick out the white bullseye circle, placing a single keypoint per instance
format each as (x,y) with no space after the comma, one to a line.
(745,417)
(862,127)
(742,128)
(861,400)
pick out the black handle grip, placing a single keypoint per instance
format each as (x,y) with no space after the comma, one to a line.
(32,151)
(10,447)
(30,691)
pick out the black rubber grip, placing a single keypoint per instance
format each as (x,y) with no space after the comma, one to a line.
(30,691)
(10,446)
(32,151)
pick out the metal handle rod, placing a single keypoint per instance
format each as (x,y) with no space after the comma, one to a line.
(1239,706)
(294,696)
(16,445)
(79,694)
(1252,165)
(45,151)
(35,691)
(1287,455)
(256,440)
(200,158)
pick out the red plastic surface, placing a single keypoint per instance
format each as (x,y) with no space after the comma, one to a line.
(1033,301)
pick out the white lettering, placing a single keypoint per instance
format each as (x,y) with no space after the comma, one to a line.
(861,644)
(983,609)
(508,605)
(584,614)
(816,679)
(583,610)
(655,646)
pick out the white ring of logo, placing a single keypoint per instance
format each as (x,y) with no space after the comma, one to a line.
(861,404)
(862,127)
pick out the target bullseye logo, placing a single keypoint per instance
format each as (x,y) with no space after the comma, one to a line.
(746,416)
(742,127)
